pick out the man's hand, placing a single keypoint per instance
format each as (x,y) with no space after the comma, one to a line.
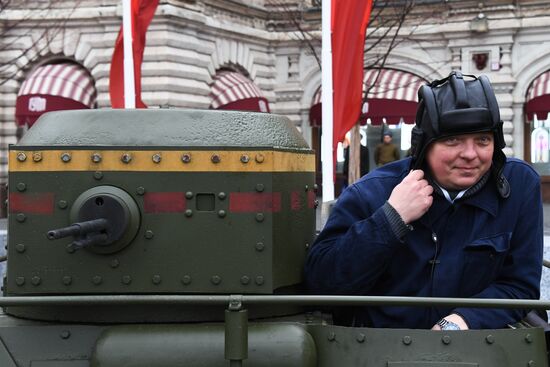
(457,319)
(412,197)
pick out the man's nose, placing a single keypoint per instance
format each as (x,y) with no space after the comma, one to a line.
(468,150)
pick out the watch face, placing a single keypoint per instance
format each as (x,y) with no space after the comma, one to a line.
(448,325)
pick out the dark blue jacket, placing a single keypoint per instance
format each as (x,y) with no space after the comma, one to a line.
(487,247)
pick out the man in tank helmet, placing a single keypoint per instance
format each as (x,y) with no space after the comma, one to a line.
(457,219)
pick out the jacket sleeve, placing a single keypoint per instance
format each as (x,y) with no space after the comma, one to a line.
(520,275)
(353,249)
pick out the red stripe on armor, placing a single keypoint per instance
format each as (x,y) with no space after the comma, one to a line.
(243,202)
(311,199)
(295,201)
(164,202)
(32,203)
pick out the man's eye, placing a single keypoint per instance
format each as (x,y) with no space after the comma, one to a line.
(485,139)
(451,141)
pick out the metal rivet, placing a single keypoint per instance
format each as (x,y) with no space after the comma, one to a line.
(156,279)
(360,338)
(189,195)
(21,186)
(156,158)
(149,234)
(115,263)
(446,339)
(222,195)
(531,363)
(126,158)
(221,213)
(245,158)
(21,157)
(188,213)
(260,217)
(307,245)
(315,188)
(126,279)
(186,158)
(259,158)
(140,190)
(490,339)
(216,280)
(36,280)
(186,280)
(20,217)
(260,187)
(528,338)
(20,248)
(407,340)
(96,157)
(245,280)
(67,280)
(260,246)
(62,204)
(65,334)
(315,204)
(66,157)
(306,187)
(70,249)
(20,281)
(331,336)
(98,175)
(215,158)
(97,280)
(37,156)
(259,280)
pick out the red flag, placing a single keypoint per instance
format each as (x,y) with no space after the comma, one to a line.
(349,26)
(142,14)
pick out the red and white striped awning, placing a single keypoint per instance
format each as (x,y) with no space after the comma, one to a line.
(54,87)
(234,91)
(538,97)
(392,96)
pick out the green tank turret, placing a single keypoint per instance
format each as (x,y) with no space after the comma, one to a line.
(172,237)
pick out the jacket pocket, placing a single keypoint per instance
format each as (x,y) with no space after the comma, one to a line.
(483,260)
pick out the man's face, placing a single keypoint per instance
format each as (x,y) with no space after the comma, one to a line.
(387,139)
(459,161)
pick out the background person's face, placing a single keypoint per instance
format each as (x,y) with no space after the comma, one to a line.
(459,161)
(387,139)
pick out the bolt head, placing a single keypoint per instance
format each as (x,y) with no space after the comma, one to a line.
(149,234)
(259,280)
(260,187)
(20,248)
(37,156)
(222,195)
(407,340)
(66,157)
(446,339)
(98,175)
(21,186)
(115,263)
(490,339)
(360,338)
(20,281)
(96,158)
(21,217)
(260,246)
(331,336)
(65,334)
(186,280)
(260,158)
(126,158)
(97,280)
(36,280)
(216,280)
(126,279)
(215,158)
(245,280)
(221,213)
(62,204)
(21,157)
(156,158)
(140,190)
(189,195)
(156,279)
(245,158)
(67,280)
(260,217)
(186,158)
(188,213)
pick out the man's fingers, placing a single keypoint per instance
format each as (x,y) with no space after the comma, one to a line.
(414,175)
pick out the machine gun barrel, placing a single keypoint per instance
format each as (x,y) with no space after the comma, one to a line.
(79,229)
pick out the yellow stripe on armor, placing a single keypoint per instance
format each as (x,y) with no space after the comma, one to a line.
(168,161)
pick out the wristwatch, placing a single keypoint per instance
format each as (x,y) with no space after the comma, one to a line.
(447,325)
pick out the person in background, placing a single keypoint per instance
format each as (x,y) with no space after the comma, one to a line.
(456,219)
(386,151)
(364,159)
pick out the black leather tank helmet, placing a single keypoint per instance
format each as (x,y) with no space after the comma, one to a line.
(454,106)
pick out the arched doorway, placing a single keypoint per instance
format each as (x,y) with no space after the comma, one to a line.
(537,129)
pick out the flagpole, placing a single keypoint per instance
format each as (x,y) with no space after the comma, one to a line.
(129,86)
(327,163)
